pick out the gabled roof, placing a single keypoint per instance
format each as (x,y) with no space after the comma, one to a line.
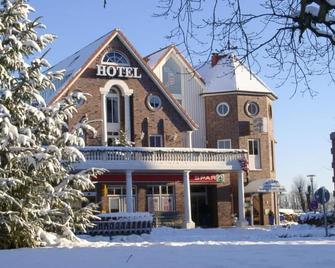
(158,56)
(73,64)
(230,75)
(77,63)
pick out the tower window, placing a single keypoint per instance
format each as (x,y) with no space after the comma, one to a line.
(222,109)
(252,108)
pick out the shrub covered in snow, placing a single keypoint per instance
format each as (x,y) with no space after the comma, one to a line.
(317,218)
(38,189)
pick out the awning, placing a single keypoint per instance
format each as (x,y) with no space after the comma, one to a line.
(264,186)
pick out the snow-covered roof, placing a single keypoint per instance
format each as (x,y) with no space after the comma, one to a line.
(79,61)
(158,56)
(229,74)
(264,186)
(155,57)
(73,64)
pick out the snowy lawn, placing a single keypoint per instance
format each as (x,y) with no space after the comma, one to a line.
(299,246)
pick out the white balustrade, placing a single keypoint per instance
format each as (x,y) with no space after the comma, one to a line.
(160,154)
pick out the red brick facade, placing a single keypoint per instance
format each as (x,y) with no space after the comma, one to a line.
(166,121)
(217,198)
(237,125)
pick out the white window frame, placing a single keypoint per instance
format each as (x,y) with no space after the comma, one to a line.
(224,141)
(222,114)
(161,198)
(115,63)
(112,95)
(248,104)
(180,95)
(122,198)
(156,136)
(254,158)
(149,98)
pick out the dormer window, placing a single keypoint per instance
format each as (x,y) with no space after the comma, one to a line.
(115,57)
(172,77)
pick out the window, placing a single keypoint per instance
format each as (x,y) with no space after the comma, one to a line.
(118,198)
(253,147)
(222,109)
(160,198)
(270,111)
(254,154)
(115,57)
(112,106)
(155,141)
(154,102)
(224,144)
(272,157)
(252,108)
(172,76)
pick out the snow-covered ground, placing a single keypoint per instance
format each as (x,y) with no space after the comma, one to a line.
(298,246)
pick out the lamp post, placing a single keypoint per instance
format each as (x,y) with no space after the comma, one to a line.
(311,177)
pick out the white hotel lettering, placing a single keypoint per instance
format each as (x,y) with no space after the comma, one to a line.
(117,71)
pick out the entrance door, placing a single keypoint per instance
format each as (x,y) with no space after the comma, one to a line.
(203,213)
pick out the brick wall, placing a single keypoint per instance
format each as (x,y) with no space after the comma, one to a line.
(237,126)
(224,202)
(165,121)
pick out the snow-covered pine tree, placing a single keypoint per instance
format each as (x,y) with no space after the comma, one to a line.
(39,192)
(122,140)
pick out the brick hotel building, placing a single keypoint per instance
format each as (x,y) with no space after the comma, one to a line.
(193,132)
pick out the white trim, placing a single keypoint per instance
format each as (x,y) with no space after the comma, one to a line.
(120,84)
(125,92)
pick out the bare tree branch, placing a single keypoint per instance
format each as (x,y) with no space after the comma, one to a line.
(297,36)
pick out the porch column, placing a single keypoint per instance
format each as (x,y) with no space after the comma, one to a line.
(189,139)
(104,92)
(241,209)
(252,209)
(129,191)
(188,223)
(127,119)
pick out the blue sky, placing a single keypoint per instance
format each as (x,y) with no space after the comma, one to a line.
(302,124)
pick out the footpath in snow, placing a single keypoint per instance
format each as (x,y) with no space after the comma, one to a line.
(299,246)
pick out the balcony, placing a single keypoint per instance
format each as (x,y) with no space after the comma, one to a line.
(162,158)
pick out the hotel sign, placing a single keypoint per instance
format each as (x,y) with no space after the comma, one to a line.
(117,71)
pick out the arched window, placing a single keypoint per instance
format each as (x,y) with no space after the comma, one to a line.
(115,57)
(172,76)
(112,106)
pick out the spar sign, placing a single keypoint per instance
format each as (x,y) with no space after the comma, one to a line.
(207,178)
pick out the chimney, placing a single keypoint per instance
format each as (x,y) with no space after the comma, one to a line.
(215,58)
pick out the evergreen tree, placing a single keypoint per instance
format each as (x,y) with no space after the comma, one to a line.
(39,191)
